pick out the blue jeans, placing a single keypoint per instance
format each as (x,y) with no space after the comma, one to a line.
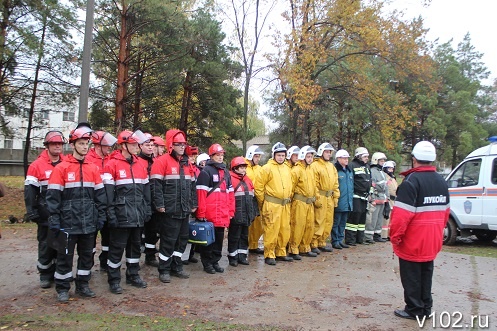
(338,230)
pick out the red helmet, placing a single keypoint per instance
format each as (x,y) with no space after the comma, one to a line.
(103,138)
(54,137)
(216,148)
(238,161)
(179,138)
(129,137)
(83,132)
(159,141)
(191,150)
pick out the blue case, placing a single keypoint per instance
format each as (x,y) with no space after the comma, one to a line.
(201,233)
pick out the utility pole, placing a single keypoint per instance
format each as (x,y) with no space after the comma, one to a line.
(84,93)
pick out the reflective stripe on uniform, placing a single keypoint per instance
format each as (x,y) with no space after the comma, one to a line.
(132,260)
(351,227)
(178,254)
(114,265)
(163,257)
(66,276)
(45,266)
(235,253)
(83,272)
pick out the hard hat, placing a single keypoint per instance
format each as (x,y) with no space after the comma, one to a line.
(54,137)
(292,150)
(324,147)
(150,138)
(377,156)
(216,148)
(202,157)
(424,151)
(129,137)
(159,141)
(179,138)
(238,161)
(103,138)
(342,153)
(360,151)
(278,147)
(83,132)
(389,164)
(191,150)
(304,150)
(253,150)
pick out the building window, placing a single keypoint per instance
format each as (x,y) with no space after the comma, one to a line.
(68,116)
(43,114)
(8,144)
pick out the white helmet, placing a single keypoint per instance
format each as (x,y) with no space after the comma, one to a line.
(424,151)
(342,153)
(278,147)
(324,147)
(304,150)
(378,156)
(202,157)
(292,150)
(389,164)
(253,150)
(360,151)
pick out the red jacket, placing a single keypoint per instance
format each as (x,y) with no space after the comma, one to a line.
(420,213)
(94,158)
(246,208)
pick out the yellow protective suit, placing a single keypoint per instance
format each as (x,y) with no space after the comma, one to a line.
(302,212)
(273,190)
(327,184)
(255,229)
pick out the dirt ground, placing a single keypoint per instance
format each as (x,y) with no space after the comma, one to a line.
(351,289)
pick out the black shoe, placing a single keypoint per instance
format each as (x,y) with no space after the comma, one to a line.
(296,257)
(368,242)
(284,258)
(136,282)
(256,251)
(185,262)
(209,269)
(270,261)
(85,291)
(152,262)
(115,288)
(351,244)
(336,246)
(45,283)
(180,274)
(310,254)
(165,277)
(316,250)
(243,261)
(193,259)
(218,268)
(325,249)
(103,267)
(380,240)
(403,314)
(234,263)
(63,297)
(344,245)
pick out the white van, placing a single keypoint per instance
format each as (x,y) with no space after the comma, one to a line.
(473,196)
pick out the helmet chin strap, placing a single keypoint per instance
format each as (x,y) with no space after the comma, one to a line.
(77,152)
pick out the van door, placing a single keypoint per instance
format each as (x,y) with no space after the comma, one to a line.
(466,192)
(490,194)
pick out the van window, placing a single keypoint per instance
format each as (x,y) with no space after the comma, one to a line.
(467,174)
(494,172)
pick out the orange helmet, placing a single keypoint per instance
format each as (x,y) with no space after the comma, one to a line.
(129,137)
(103,138)
(216,148)
(238,161)
(159,141)
(191,150)
(83,132)
(54,137)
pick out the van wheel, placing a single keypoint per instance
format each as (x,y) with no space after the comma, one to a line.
(450,233)
(486,236)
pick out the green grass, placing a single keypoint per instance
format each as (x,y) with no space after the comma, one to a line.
(476,248)
(79,321)
(13,181)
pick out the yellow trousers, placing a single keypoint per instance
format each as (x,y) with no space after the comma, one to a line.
(323,221)
(276,221)
(301,227)
(255,232)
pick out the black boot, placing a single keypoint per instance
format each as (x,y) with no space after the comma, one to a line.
(242,259)
(350,237)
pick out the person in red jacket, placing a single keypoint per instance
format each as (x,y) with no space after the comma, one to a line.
(76,201)
(128,195)
(159,146)
(35,190)
(216,204)
(175,198)
(420,213)
(103,142)
(246,210)
(192,153)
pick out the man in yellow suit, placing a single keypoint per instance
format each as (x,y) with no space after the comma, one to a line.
(302,210)
(326,198)
(273,190)
(252,158)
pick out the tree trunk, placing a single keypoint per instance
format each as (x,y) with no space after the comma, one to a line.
(122,69)
(185,103)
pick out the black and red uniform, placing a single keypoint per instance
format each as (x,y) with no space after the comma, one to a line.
(128,193)
(173,188)
(35,191)
(76,201)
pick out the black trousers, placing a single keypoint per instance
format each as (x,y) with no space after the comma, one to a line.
(416,278)
(173,241)
(356,223)
(121,239)
(237,241)
(46,255)
(211,254)
(63,271)
(151,232)
(104,242)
